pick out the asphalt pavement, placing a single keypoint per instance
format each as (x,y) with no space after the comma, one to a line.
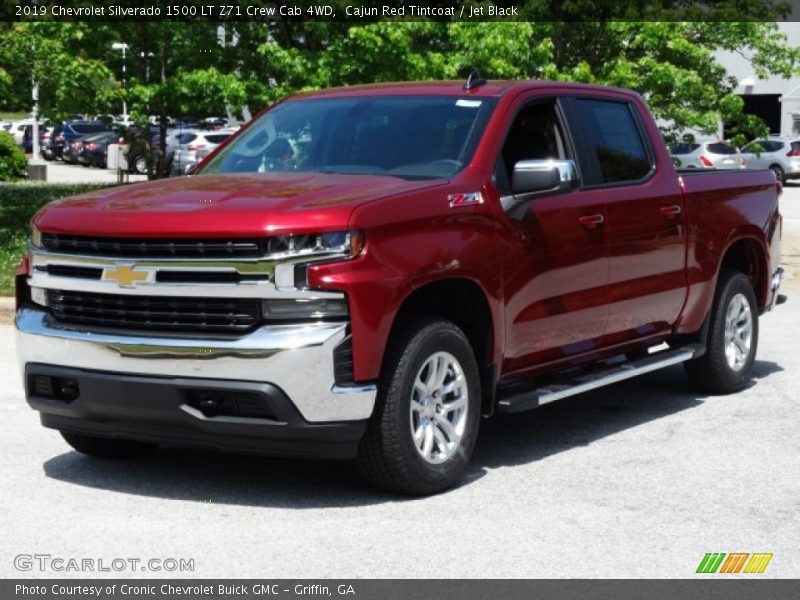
(640,479)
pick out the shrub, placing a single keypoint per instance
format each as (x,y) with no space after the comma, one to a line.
(13,165)
(18,203)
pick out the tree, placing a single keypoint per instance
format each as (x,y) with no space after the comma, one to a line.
(203,68)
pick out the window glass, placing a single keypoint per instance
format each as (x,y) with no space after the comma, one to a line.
(403,136)
(535,134)
(186,138)
(720,148)
(683,148)
(84,128)
(217,138)
(614,138)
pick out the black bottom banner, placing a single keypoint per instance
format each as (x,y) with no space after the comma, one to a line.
(392,589)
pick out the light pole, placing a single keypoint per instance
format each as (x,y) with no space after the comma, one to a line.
(124,47)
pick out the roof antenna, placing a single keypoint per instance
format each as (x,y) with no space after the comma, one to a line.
(474,80)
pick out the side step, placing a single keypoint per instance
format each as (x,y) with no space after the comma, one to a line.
(583,382)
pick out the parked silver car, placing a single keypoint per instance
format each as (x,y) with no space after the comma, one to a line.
(190,142)
(707,155)
(781,155)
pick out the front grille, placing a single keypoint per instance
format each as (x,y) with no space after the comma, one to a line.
(161,313)
(154,247)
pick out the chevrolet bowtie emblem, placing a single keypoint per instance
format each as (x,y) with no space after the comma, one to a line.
(125,276)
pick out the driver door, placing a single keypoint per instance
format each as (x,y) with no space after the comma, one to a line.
(556,260)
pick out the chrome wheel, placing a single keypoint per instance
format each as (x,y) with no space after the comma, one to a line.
(439,402)
(738,332)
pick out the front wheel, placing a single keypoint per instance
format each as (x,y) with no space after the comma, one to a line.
(107,448)
(727,365)
(422,433)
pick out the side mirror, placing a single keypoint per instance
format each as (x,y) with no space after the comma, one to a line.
(535,176)
(532,176)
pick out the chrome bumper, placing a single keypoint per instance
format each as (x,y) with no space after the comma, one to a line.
(297,358)
(775,284)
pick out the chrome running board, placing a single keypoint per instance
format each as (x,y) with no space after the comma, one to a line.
(583,382)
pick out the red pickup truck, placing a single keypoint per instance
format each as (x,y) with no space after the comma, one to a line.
(367,271)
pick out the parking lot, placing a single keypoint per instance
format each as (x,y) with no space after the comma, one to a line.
(640,479)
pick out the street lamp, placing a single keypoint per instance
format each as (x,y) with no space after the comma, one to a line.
(124,47)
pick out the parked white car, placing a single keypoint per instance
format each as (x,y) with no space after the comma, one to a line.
(192,141)
(780,154)
(706,155)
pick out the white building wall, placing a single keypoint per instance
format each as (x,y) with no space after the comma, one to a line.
(789,89)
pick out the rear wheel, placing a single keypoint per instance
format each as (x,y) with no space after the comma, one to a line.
(108,448)
(727,365)
(779,173)
(422,433)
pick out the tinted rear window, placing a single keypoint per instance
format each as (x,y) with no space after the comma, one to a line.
(763,146)
(683,148)
(186,138)
(218,138)
(796,146)
(84,128)
(720,148)
(614,138)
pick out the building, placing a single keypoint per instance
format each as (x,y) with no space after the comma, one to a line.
(776,100)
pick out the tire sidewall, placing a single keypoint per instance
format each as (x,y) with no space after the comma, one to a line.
(446,338)
(736,283)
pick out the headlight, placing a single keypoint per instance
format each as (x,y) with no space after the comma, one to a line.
(289,309)
(36,237)
(344,244)
(298,251)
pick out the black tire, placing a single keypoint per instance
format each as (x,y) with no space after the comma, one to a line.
(107,448)
(780,175)
(712,373)
(387,455)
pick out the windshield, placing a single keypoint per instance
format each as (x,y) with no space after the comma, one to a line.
(410,137)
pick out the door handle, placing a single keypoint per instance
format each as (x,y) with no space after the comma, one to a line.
(673,210)
(591,222)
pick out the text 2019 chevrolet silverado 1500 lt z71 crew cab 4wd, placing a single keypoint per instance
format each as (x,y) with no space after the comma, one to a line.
(367,271)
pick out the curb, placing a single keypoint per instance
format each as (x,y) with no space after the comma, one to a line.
(7,303)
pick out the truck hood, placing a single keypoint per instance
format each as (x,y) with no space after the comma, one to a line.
(222,205)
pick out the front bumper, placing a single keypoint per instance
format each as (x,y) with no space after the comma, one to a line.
(774,288)
(296,360)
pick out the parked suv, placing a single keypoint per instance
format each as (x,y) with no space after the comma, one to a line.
(707,155)
(780,154)
(194,144)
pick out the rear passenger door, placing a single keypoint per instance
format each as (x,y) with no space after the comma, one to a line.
(645,218)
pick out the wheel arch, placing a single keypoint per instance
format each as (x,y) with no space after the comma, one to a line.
(748,255)
(464,302)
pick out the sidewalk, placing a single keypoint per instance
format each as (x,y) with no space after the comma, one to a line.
(58,172)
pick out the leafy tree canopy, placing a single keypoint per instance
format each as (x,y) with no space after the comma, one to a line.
(202,68)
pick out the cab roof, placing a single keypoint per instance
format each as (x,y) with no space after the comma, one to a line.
(492,88)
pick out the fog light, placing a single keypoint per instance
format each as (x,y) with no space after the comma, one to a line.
(39,296)
(305,309)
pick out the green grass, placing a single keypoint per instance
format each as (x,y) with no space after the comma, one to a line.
(12,116)
(18,203)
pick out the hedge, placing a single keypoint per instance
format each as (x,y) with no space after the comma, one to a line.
(13,165)
(18,203)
